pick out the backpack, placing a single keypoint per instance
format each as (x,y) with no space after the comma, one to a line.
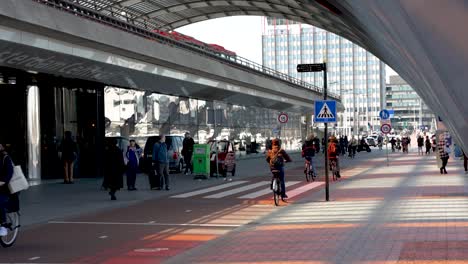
(277,161)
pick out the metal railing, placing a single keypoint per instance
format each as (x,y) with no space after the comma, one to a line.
(237,61)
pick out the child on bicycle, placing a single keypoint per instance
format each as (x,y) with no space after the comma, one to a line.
(308,151)
(277,157)
(333,154)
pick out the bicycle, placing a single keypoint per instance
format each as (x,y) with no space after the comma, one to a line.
(276,186)
(13,225)
(334,169)
(309,170)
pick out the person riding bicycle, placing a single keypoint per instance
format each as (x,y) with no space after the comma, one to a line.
(333,154)
(6,172)
(276,157)
(308,150)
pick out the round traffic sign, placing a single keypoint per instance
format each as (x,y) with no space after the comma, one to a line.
(386,128)
(283,118)
(384,114)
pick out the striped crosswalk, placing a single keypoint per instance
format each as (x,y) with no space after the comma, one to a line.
(248,190)
(215,188)
(265,191)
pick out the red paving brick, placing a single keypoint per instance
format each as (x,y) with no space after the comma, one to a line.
(421,219)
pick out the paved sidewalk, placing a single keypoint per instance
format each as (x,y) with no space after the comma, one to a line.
(407,213)
(53,200)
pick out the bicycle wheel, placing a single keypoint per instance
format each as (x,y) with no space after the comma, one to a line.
(276,191)
(13,224)
(333,169)
(312,174)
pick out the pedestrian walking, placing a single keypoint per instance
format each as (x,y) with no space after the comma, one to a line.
(133,161)
(465,162)
(187,152)
(352,147)
(161,162)
(114,168)
(434,144)
(342,146)
(420,145)
(405,141)
(444,153)
(428,145)
(393,143)
(346,143)
(68,155)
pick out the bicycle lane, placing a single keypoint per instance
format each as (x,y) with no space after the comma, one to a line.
(379,216)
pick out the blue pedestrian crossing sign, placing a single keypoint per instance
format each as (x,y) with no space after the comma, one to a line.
(384,114)
(325,111)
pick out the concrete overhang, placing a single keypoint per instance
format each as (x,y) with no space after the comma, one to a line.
(123,59)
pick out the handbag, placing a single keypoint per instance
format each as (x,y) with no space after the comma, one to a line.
(18,181)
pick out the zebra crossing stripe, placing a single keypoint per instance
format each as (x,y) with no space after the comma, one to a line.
(238,190)
(303,189)
(265,191)
(211,189)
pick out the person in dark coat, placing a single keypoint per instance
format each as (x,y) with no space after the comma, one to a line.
(187,152)
(114,168)
(428,145)
(278,153)
(342,146)
(133,160)
(68,153)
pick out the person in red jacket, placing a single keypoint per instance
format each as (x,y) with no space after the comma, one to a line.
(333,152)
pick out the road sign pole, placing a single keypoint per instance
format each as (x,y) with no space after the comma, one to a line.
(327,181)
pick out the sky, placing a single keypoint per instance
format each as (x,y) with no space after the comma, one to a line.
(241,34)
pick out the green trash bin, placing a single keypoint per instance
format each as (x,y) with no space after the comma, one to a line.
(201,161)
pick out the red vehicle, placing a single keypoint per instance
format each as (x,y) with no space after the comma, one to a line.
(195,42)
(226,158)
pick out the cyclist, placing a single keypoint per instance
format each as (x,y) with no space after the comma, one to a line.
(276,157)
(6,172)
(308,152)
(333,154)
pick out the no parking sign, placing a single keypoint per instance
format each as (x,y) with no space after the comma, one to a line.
(283,118)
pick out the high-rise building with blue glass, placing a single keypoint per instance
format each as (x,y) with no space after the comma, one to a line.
(354,73)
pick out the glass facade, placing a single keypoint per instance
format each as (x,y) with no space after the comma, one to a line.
(411,113)
(139,114)
(46,106)
(354,73)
